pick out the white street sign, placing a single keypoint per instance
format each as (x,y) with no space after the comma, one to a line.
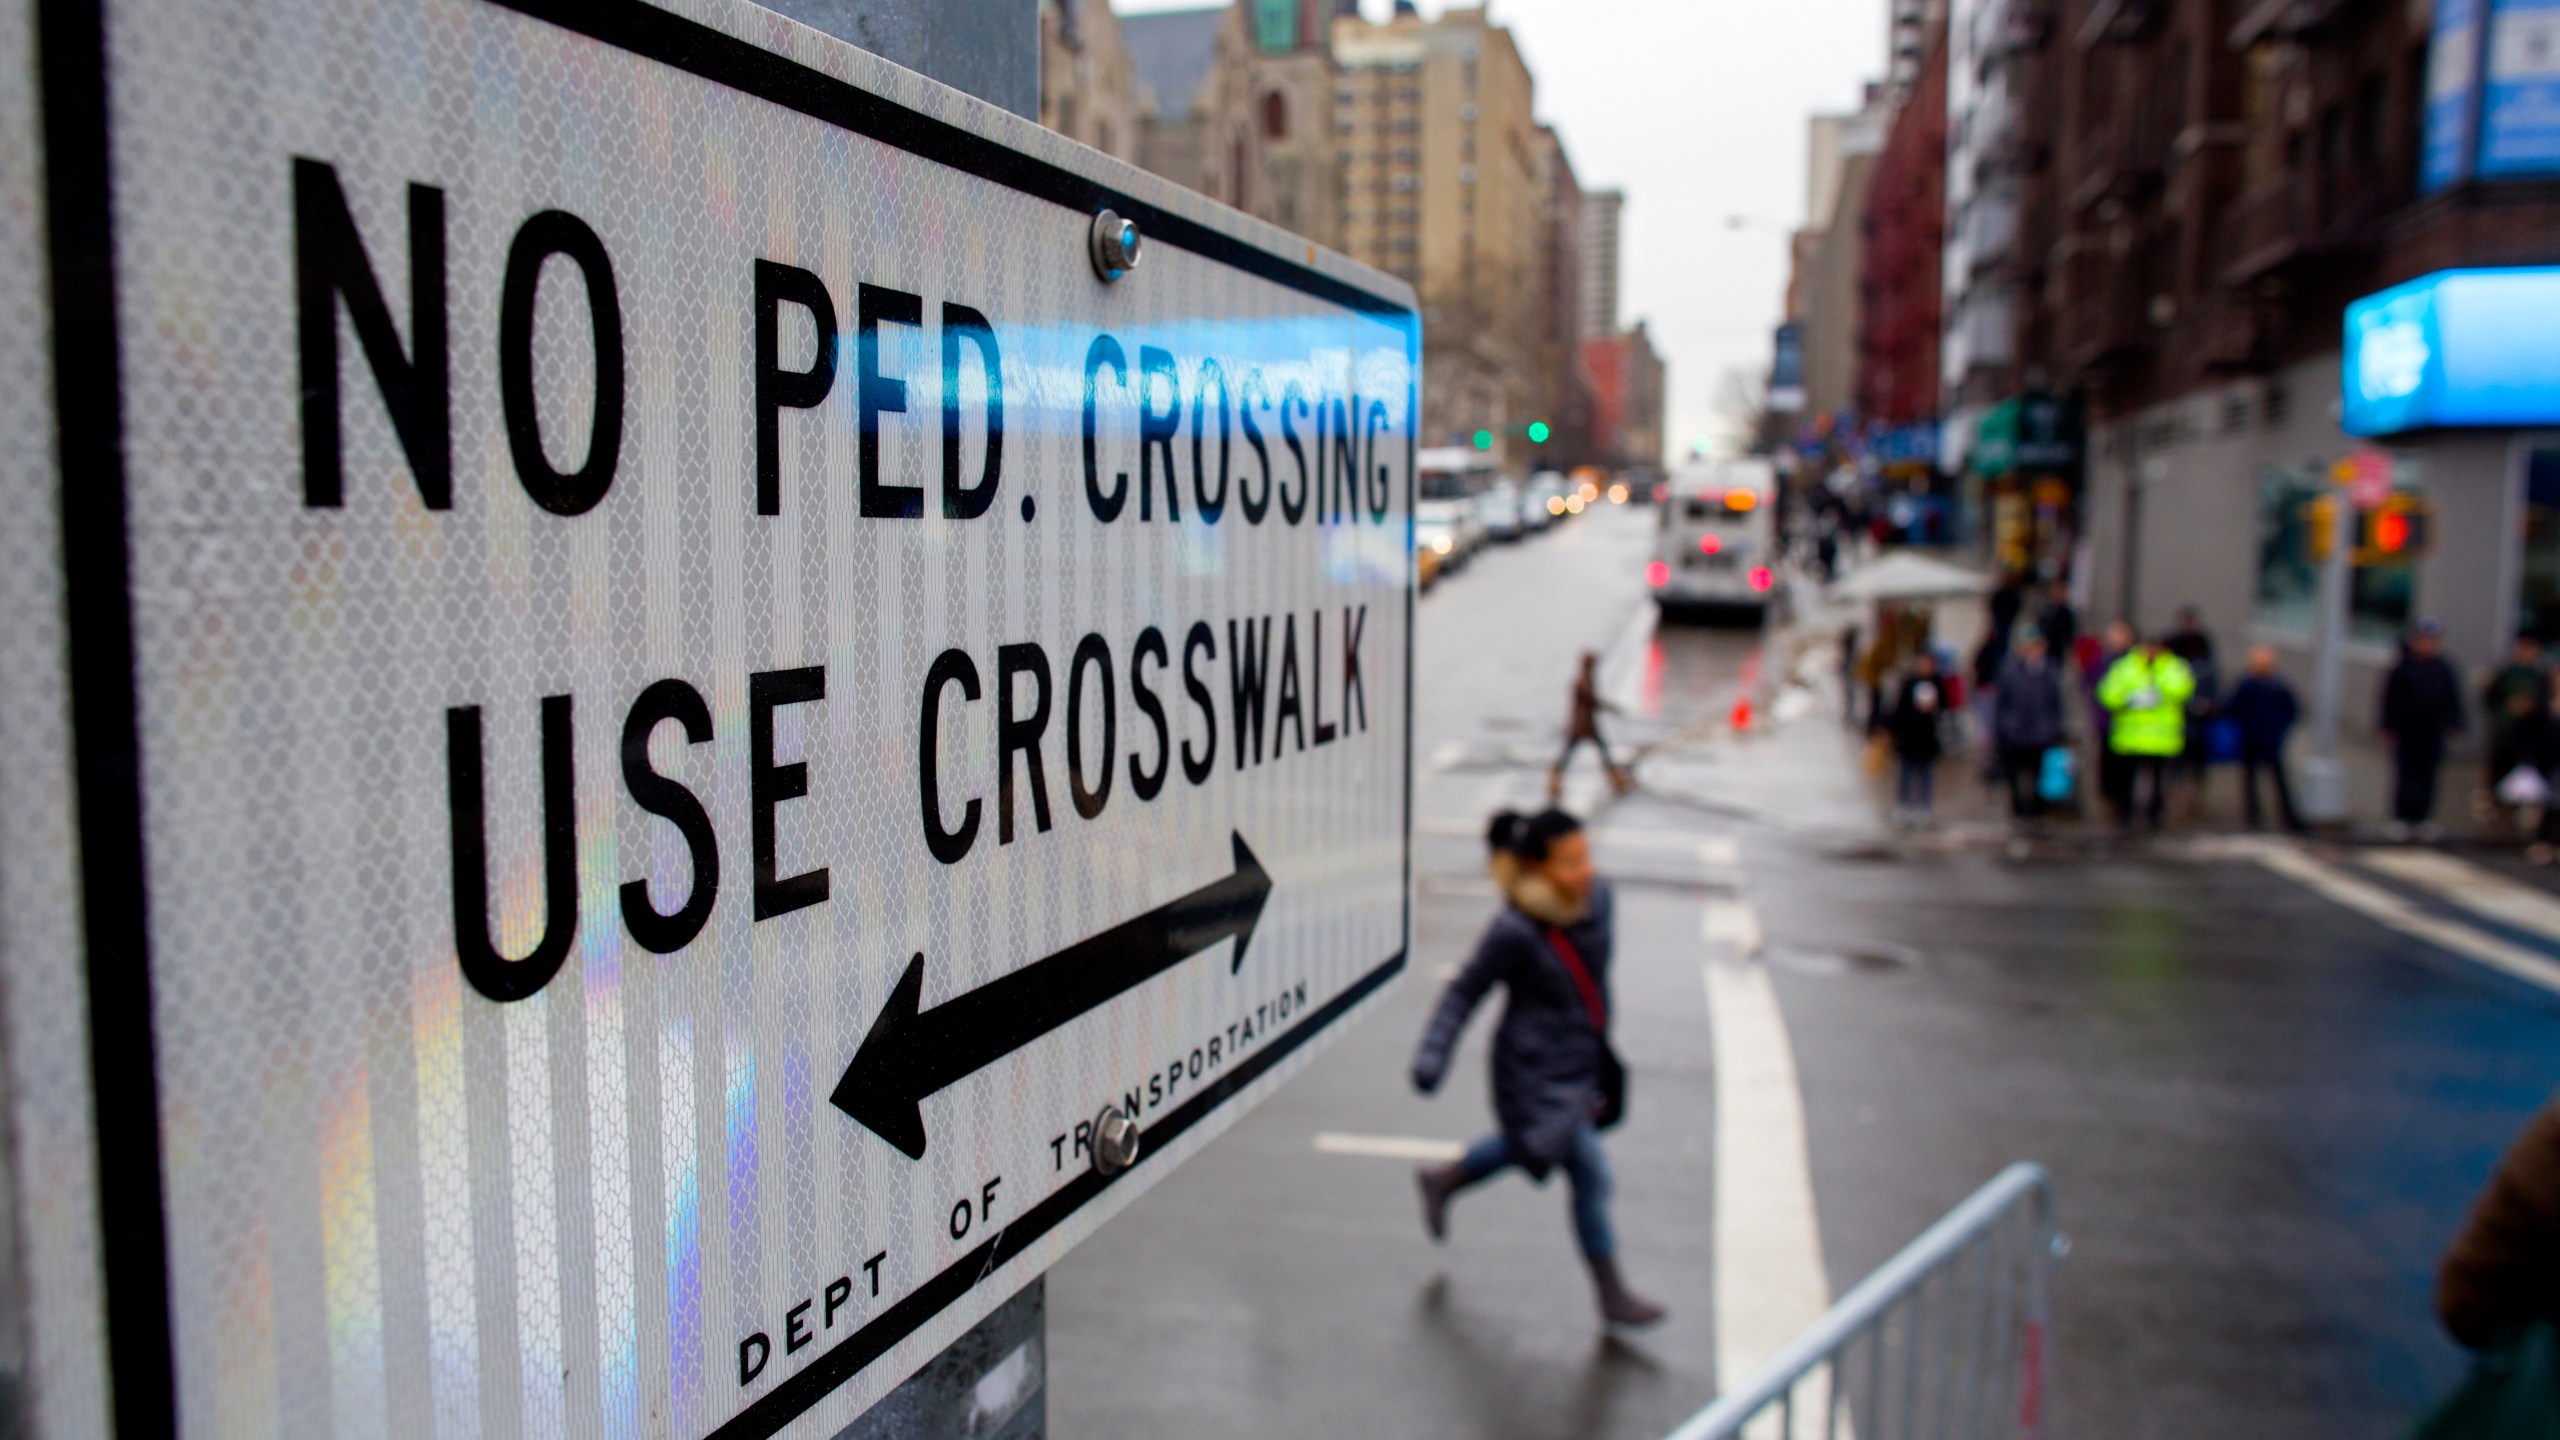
(643,711)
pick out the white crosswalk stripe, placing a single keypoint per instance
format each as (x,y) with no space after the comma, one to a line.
(2482,892)
(2405,916)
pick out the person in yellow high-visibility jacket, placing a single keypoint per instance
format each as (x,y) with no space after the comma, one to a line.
(2146,695)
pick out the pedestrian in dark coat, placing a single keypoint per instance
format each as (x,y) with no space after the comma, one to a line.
(1917,724)
(2512,704)
(2421,707)
(2503,1271)
(2026,719)
(2263,706)
(1582,725)
(1549,950)
(2059,622)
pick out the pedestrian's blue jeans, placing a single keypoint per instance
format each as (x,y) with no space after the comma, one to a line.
(1584,1166)
(1915,784)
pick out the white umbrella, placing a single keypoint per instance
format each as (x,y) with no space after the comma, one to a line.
(1906,575)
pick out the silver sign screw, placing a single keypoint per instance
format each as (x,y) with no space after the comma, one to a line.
(1115,1141)
(1115,245)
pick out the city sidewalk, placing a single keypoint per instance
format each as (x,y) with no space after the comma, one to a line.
(1969,808)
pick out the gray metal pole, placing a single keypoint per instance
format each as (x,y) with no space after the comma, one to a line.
(2324,780)
(990,48)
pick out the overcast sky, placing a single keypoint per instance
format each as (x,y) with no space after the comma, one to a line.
(1695,108)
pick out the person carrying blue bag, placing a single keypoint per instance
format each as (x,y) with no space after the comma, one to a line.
(2027,723)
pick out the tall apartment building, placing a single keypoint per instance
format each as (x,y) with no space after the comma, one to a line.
(1828,256)
(2224,182)
(1566,389)
(1978,344)
(1439,153)
(1598,243)
(1903,265)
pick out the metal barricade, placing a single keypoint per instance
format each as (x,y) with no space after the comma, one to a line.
(1948,1340)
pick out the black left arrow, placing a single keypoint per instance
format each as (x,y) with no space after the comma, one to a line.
(912,1053)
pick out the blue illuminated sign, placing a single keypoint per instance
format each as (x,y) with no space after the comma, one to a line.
(2456,348)
(2520,107)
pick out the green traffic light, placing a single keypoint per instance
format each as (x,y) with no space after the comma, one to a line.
(1538,432)
(1484,439)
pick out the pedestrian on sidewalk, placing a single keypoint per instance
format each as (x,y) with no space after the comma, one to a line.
(2264,709)
(1555,1079)
(2189,642)
(2026,720)
(2115,772)
(1582,726)
(2059,622)
(2146,695)
(2511,705)
(1917,724)
(2421,708)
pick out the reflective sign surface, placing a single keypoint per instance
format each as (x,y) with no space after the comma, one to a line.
(709,698)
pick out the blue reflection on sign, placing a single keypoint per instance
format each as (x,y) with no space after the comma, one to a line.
(2456,348)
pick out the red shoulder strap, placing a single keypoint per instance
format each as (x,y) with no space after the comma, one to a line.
(1582,980)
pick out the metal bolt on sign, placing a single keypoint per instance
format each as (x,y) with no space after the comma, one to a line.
(1115,245)
(1115,1141)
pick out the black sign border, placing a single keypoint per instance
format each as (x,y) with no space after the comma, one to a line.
(74,115)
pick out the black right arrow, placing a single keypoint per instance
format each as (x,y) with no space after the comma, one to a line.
(912,1053)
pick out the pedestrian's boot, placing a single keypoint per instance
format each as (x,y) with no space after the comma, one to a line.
(1438,1183)
(1618,1304)
(1621,780)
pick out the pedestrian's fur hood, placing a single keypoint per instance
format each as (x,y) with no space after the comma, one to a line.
(1531,893)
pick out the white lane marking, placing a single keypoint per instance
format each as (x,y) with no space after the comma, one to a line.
(1713,851)
(2482,892)
(1732,924)
(1770,1281)
(2381,905)
(1388,1147)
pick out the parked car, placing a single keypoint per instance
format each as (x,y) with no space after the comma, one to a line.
(1543,502)
(1455,479)
(1501,509)
(1438,532)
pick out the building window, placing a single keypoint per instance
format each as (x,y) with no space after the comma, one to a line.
(1275,116)
(1275,24)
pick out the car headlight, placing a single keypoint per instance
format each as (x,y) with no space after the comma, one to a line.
(1442,544)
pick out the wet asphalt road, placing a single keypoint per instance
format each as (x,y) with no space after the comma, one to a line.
(2264,1113)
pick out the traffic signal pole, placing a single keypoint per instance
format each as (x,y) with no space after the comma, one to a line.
(2324,781)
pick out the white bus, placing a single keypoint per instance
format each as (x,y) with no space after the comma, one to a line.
(1716,537)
